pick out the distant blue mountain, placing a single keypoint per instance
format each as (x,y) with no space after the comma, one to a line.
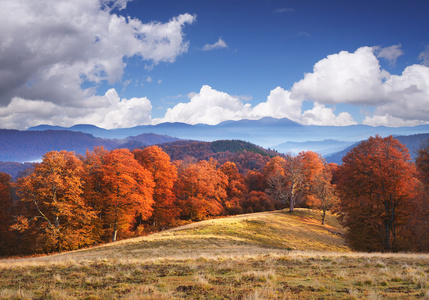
(24,146)
(325,147)
(31,145)
(266,132)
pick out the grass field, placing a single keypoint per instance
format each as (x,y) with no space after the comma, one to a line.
(275,255)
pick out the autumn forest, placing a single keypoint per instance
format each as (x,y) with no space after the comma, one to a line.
(71,201)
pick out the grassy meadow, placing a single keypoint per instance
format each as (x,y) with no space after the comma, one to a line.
(273,255)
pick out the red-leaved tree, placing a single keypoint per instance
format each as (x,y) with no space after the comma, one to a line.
(377,188)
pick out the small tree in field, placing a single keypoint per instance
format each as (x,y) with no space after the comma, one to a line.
(290,179)
(323,195)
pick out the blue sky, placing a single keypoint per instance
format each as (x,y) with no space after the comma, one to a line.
(119,63)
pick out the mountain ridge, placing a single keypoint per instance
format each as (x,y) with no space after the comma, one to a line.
(266,132)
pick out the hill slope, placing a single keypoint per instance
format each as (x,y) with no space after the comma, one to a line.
(249,233)
(24,146)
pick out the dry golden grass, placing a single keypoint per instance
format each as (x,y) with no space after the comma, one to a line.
(275,255)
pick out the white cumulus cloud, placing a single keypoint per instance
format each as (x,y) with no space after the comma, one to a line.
(343,78)
(407,99)
(322,115)
(210,106)
(279,104)
(357,79)
(113,113)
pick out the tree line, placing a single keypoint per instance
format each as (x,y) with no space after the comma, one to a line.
(68,201)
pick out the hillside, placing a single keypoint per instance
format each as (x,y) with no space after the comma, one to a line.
(257,232)
(203,150)
(245,155)
(21,146)
(25,146)
(240,257)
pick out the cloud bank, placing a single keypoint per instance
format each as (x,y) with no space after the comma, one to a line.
(357,79)
(210,106)
(49,50)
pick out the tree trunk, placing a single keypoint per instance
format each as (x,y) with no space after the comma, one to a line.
(57,230)
(387,232)
(389,221)
(292,199)
(115,232)
(323,216)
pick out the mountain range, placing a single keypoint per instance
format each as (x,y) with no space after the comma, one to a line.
(266,132)
(282,135)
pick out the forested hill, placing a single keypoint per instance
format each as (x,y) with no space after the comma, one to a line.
(20,146)
(25,146)
(245,155)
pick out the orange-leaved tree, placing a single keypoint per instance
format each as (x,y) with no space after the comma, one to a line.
(93,189)
(164,173)
(377,187)
(290,179)
(276,179)
(127,190)
(55,213)
(322,193)
(312,169)
(200,189)
(236,190)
